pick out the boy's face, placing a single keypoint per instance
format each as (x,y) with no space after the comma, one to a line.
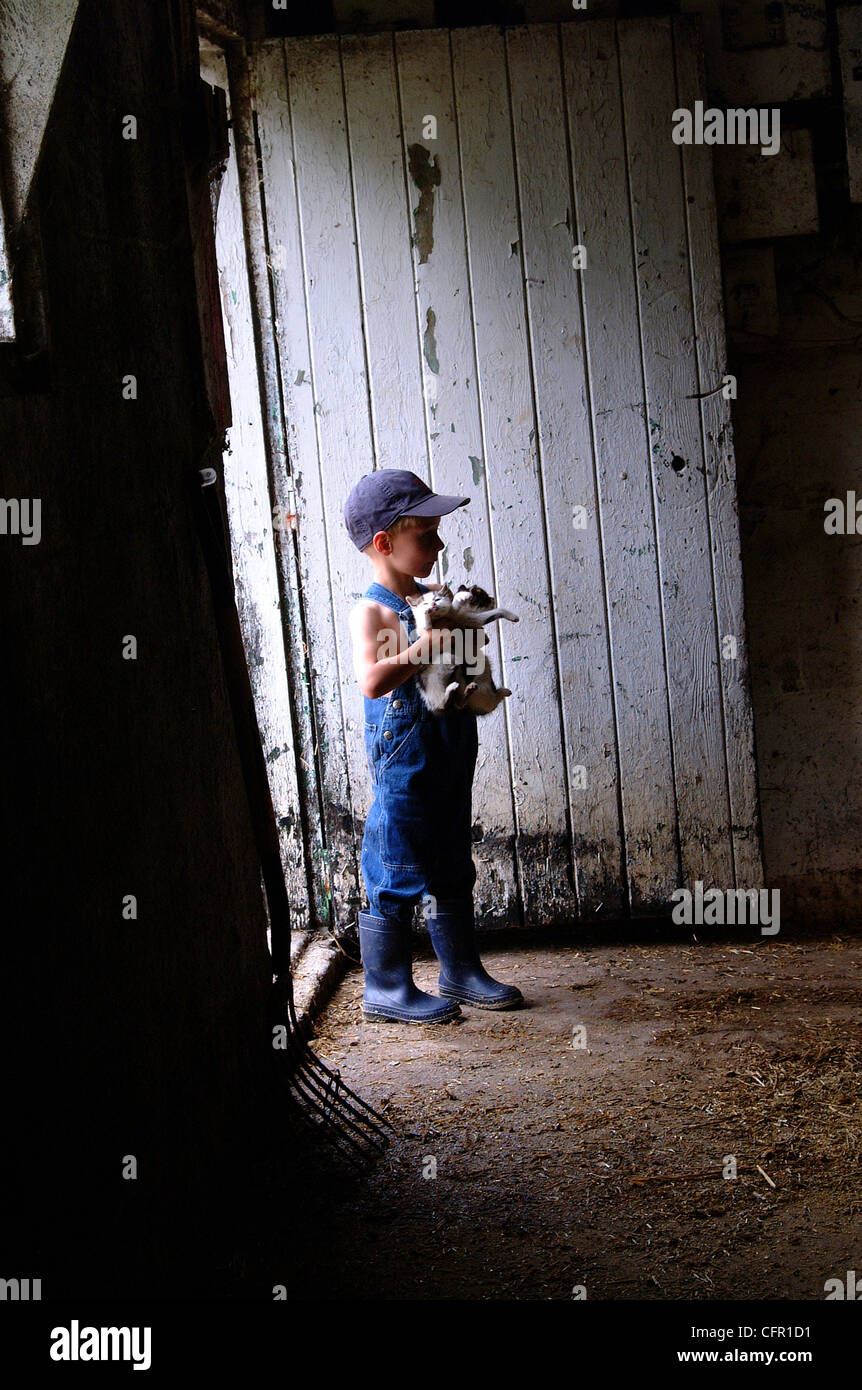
(414,551)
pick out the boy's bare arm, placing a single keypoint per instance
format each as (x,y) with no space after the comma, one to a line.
(368,628)
(370,625)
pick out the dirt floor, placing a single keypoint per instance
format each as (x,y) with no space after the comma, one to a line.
(581,1143)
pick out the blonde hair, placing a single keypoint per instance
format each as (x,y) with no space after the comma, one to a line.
(403,523)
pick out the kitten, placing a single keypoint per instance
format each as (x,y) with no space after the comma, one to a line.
(445,684)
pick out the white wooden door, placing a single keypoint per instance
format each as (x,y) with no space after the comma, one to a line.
(491,264)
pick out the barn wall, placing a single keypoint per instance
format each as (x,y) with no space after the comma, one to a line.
(125,1037)
(792,288)
(477,355)
(792,266)
(425,313)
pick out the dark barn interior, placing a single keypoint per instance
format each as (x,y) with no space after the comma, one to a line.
(195,1106)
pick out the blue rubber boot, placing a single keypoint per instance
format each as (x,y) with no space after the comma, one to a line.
(462,975)
(389,989)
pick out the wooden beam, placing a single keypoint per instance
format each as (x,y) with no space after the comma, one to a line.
(222,19)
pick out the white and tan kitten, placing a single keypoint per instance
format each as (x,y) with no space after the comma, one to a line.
(446,684)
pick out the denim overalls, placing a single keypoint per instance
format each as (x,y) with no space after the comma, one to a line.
(418,833)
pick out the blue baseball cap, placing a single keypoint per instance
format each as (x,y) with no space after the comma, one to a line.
(380,498)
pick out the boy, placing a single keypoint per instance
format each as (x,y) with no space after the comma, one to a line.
(418,833)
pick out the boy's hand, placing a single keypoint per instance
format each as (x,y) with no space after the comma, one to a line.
(434,644)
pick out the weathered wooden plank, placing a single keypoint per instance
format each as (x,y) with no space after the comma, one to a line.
(315,901)
(610,308)
(392,342)
(291,134)
(340,401)
(717,432)
(518,518)
(457,448)
(676,450)
(578,621)
(250,518)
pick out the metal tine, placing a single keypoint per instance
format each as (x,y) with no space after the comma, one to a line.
(329,1101)
(346,1097)
(329,1094)
(341,1141)
(304,1056)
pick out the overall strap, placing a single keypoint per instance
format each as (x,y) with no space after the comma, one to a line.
(380,594)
